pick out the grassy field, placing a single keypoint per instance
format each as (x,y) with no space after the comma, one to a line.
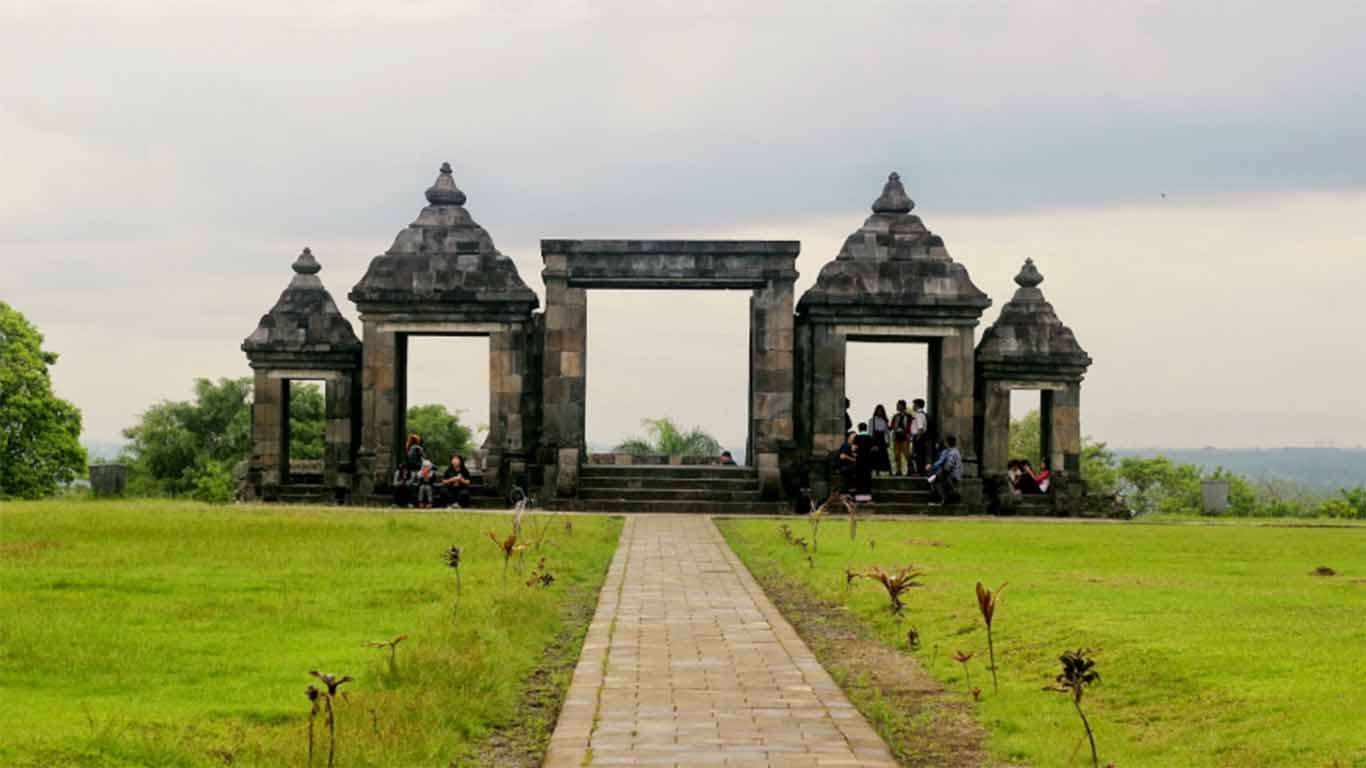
(1216,645)
(175,634)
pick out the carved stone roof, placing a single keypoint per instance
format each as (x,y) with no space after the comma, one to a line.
(304,327)
(445,265)
(893,269)
(1028,340)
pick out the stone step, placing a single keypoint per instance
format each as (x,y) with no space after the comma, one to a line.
(653,493)
(644,471)
(614,506)
(670,483)
(901,483)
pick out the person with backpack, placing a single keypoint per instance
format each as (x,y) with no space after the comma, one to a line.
(947,473)
(405,476)
(901,440)
(920,436)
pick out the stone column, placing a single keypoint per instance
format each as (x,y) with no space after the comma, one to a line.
(339,438)
(269,423)
(1065,452)
(955,401)
(827,389)
(564,381)
(507,371)
(381,400)
(770,363)
(995,428)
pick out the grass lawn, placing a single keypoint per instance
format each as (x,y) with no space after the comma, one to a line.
(177,634)
(1215,644)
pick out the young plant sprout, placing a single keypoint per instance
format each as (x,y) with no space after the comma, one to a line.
(540,575)
(313,695)
(987,600)
(896,583)
(453,562)
(392,645)
(510,547)
(963,657)
(1078,672)
(332,682)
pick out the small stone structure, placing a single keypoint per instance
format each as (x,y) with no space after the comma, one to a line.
(303,337)
(892,281)
(108,479)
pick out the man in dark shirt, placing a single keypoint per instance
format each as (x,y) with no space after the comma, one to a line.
(864,443)
(455,481)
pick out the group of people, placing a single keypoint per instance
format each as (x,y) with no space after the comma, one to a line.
(1024,481)
(418,483)
(899,445)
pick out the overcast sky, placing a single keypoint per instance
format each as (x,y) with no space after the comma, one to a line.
(1190,178)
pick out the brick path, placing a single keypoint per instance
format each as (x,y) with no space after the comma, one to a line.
(688,663)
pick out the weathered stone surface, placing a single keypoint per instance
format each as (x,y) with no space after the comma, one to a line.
(1028,340)
(108,479)
(304,328)
(444,264)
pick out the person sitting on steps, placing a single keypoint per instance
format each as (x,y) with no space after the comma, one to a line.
(947,473)
(456,482)
(726,459)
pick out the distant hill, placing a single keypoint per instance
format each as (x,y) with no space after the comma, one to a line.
(1326,469)
(102,450)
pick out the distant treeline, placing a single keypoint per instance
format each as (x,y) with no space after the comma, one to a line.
(1318,469)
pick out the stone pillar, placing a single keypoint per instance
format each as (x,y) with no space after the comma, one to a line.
(827,389)
(955,401)
(338,466)
(269,426)
(995,428)
(564,384)
(1046,427)
(507,371)
(1065,453)
(381,399)
(770,364)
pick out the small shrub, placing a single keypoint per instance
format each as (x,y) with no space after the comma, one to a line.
(1078,672)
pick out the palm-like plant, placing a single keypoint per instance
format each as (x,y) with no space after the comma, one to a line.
(1078,672)
(664,437)
(313,695)
(509,547)
(987,600)
(896,583)
(963,657)
(392,645)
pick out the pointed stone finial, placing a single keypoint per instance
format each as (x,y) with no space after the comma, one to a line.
(306,264)
(444,191)
(894,198)
(1029,276)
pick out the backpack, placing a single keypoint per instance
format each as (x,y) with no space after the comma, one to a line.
(415,457)
(900,422)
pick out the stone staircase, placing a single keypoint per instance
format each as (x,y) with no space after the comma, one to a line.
(669,488)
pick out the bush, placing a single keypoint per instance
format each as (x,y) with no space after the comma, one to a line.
(210,481)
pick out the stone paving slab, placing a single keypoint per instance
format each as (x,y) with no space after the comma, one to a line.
(687,663)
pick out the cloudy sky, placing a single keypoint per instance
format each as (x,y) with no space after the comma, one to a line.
(1190,178)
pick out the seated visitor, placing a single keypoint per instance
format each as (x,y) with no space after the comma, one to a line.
(947,473)
(426,479)
(726,459)
(1025,484)
(1040,480)
(1013,476)
(405,479)
(455,482)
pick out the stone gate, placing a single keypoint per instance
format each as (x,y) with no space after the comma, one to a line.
(893,280)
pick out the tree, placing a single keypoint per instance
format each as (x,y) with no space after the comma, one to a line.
(307,422)
(40,433)
(175,444)
(666,438)
(443,435)
(1026,439)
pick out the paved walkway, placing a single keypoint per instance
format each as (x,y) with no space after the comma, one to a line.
(688,663)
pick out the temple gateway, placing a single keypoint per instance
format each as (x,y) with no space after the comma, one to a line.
(892,281)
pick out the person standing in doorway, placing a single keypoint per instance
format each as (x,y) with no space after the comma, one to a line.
(848,422)
(920,436)
(880,427)
(901,440)
(863,443)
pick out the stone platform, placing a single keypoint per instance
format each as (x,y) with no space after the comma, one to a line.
(687,663)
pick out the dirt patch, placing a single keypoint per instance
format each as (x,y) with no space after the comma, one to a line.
(27,547)
(1323,570)
(926,543)
(523,742)
(922,723)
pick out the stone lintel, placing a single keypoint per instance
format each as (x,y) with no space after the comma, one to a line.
(444,328)
(305,374)
(1014,384)
(892,333)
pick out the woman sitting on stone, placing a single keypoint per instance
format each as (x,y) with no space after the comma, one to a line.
(456,483)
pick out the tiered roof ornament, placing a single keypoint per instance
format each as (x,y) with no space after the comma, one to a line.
(304,328)
(444,264)
(893,266)
(1028,339)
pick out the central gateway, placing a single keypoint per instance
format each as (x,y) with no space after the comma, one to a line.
(767,268)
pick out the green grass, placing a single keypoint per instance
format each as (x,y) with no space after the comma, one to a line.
(176,634)
(1215,645)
